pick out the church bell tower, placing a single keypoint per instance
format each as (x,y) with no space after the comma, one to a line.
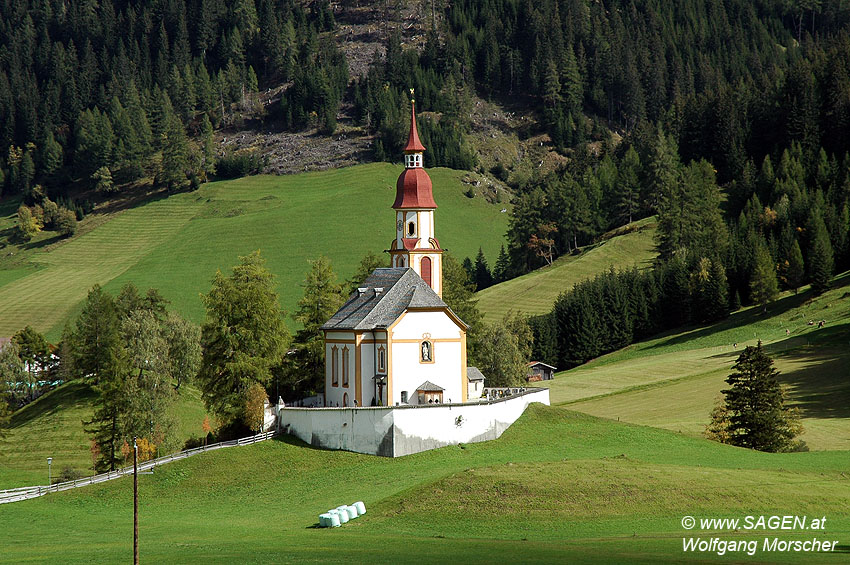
(415,244)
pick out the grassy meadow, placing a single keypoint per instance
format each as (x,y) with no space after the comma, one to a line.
(536,292)
(52,426)
(558,486)
(671,381)
(176,244)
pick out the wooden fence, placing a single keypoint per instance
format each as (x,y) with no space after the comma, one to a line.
(25,493)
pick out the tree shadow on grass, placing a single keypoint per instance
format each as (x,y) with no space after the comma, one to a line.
(747,317)
(820,387)
(52,403)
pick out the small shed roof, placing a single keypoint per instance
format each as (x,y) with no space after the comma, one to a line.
(474,374)
(540,363)
(428,386)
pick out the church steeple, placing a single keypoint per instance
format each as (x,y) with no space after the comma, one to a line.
(415,245)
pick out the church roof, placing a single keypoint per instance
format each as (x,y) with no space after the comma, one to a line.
(382,298)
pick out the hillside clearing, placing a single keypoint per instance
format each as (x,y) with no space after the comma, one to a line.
(536,292)
(177,243)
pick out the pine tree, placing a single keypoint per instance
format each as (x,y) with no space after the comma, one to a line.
(628,186)
(175,149)
(820,254)
(758,415)
(501,271)
(793,269)
(483,277)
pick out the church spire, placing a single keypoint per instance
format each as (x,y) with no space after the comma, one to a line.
(413,189)
(413,146)
(415,244)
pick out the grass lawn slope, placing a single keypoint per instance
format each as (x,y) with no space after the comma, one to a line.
(176,244)
(671,381)
(559,486)
(536,292)
(52,426)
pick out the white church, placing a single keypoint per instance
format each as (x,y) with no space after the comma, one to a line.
(395,342)
(396,380)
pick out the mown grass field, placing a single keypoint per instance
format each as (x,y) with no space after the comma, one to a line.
(559,486)
(672,381)
(176,244)
(52,426)
(536,292)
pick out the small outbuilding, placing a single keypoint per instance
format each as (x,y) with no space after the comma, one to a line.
(540,371)
(475,383)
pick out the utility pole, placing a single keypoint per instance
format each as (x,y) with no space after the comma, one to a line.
(135,505)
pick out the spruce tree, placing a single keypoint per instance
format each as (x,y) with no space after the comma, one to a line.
(501,271)
(758,415)
(820,254)
(483,277)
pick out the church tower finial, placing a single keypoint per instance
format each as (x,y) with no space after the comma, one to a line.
(415,245)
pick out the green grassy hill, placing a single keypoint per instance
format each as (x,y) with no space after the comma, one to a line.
(671,381)
(176,244)
(558,486)
(52,426)
(536,292)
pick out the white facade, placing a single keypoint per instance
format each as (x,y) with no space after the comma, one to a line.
(447,365)
(386,367)
(474,390)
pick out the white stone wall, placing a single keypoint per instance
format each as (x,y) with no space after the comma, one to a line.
(393,432)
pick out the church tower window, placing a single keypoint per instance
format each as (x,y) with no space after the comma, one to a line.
(411,229)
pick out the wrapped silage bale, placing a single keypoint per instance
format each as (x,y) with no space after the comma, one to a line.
(361,508)
(325,520)
(343,514)
(352,512)
(335,521)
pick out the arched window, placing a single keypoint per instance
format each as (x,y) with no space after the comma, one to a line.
(426,270)
(344,366)
(411,229)
(334,366)
(382,362)
(345,400)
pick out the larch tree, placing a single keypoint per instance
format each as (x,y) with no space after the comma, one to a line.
(242,338)
(763,284)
